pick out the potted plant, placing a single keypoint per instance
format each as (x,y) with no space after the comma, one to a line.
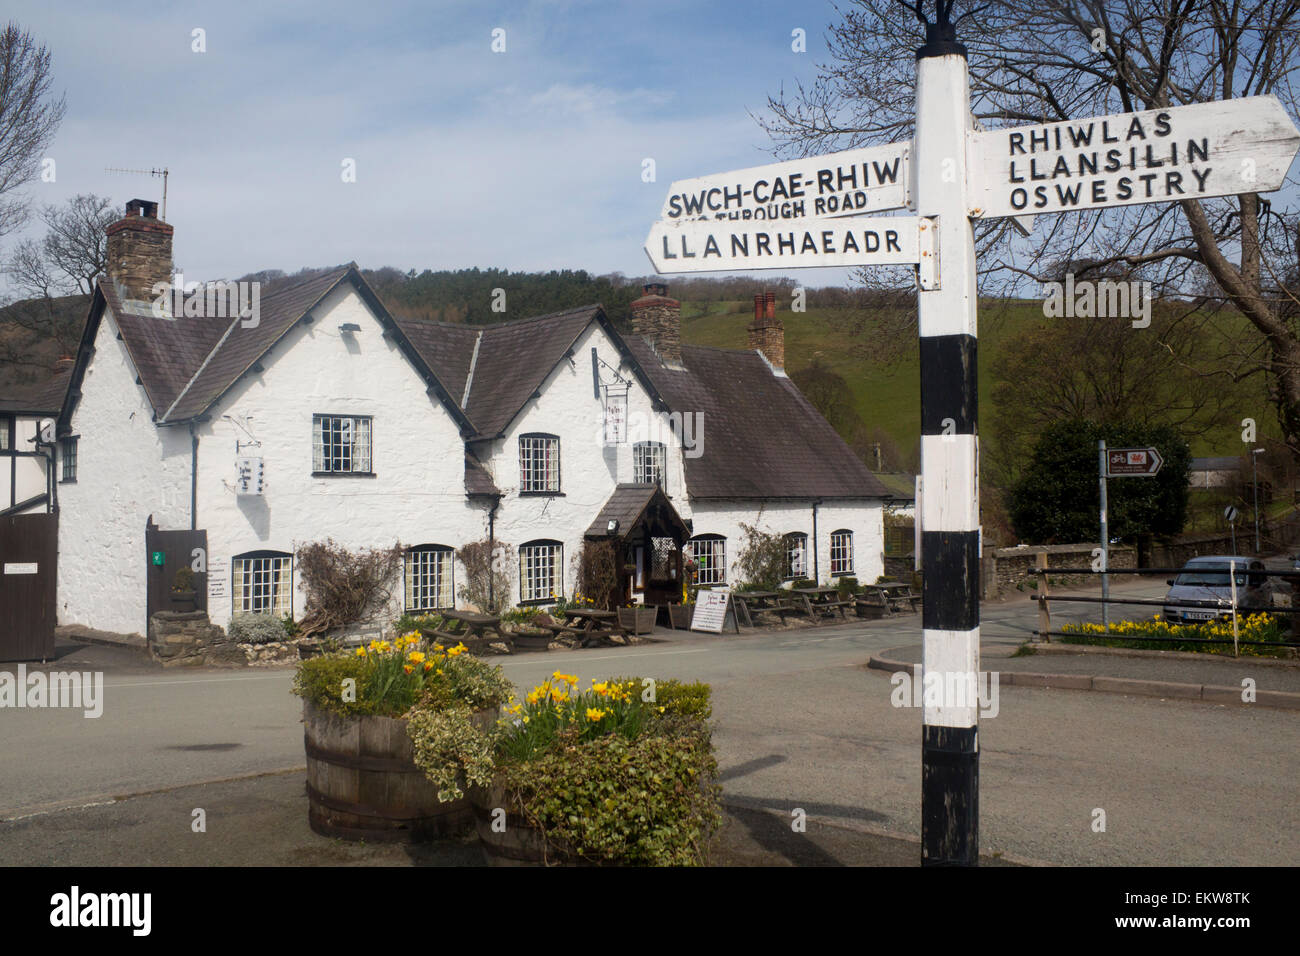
(637,618)
(366,716)
(183,593)
(619,774)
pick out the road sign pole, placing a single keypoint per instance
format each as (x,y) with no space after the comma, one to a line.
(1105,536)
(950,505)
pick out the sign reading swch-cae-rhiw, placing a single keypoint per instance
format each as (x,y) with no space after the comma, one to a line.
(811,213)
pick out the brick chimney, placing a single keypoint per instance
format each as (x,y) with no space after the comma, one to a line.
(658,320)
(140,249)
(766,333)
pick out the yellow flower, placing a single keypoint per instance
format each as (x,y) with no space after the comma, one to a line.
(428,666)
(602,688)
(438,672)
(408,668)
(416,657)
(361,652)
(569,679)
(558,695)
(534,696)
(594,715)
(456,651)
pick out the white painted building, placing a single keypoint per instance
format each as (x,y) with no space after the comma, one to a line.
(354,426)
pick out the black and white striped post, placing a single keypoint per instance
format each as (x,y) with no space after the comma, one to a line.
(949,455)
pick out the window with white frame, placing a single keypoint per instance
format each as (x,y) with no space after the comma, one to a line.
(796,555)
(68,452)
(650,464)
(709,552)
(539,464)
(541,565)
(262,583)
(340,445)
(841,552)
(430,571)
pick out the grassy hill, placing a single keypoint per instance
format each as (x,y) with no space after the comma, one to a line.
(887,390)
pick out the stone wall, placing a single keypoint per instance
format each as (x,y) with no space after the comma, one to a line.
(188,639)
(1004,568)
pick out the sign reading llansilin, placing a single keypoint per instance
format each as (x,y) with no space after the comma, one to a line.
(707,246)
(1185,152)
(847,183)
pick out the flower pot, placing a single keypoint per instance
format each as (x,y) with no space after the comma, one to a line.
(363,784)
(638,620)
(681,615)
(184,599)
(530,639)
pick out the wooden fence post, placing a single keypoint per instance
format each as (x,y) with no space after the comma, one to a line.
(1044,613)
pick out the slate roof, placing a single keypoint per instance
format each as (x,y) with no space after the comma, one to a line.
(901,486)
(513,360)
(626,505)
(41,398)
(761,438)
(477,479)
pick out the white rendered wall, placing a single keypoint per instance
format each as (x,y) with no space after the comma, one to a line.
(22,478)
(861,516)
(417,494)
(127,470)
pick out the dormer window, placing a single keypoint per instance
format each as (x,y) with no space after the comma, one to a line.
(539,464)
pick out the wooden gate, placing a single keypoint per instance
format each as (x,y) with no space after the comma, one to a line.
(29,551)
(167,552)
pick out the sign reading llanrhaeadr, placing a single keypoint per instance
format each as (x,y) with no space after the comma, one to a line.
(1184,152)
(846,183)
(712,246)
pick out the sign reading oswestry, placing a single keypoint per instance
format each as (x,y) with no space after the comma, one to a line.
(1184,152)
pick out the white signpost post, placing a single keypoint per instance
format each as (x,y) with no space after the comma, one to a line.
(952,172)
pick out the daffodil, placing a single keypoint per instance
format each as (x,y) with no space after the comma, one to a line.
(415,657)
(594,715)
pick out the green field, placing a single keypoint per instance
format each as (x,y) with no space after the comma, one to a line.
(887,391)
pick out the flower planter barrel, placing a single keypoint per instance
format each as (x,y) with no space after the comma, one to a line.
(521,844)
(363,784)
(638,620)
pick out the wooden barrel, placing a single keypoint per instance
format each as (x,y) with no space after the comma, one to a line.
(508,839)
(363,784)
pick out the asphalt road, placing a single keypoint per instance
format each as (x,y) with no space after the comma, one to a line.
(800,723)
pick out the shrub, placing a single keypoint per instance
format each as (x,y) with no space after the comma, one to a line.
(344,586)
(803,583)
(646,801)
(184,580)
(598,572)
(847,585)
(256,629)
(414,622)
(760,562)
(487,575)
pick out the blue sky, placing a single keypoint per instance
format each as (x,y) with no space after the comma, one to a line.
(528,159)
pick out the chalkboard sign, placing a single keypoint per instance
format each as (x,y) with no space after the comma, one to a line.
(710,610)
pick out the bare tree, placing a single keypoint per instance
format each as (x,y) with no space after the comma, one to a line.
(29,116)
(76,245)
(1052,60)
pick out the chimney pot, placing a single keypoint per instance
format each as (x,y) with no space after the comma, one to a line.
(766,333)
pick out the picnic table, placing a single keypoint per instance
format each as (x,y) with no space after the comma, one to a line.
(820,601)
(893,596)
(469,628)
(589,625)
(747,603)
